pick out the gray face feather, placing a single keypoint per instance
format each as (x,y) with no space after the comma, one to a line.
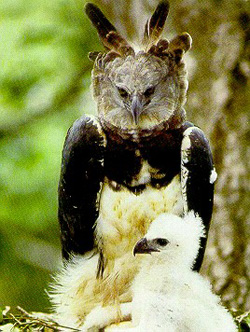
(139,92)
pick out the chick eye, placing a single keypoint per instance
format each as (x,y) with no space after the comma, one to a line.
(149,91)
(162,242)
(123,93)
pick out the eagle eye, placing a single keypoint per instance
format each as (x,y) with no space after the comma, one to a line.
(162,242)
(123,93)
(149,91)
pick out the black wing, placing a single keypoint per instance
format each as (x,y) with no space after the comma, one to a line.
(197,178)
(80,183)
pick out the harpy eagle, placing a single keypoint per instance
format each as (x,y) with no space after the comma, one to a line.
(138,158)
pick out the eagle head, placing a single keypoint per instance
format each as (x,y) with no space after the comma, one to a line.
(139,92)
(172,239)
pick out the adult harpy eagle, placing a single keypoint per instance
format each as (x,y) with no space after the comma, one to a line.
(137,159)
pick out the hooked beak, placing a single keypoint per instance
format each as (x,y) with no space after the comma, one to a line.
(144,247)
(136,108)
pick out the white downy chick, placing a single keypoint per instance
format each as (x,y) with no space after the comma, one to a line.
(168,295)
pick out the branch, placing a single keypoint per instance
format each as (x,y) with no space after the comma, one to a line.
(26,321)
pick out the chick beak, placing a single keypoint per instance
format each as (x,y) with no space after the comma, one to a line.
(136,108)
(143,246)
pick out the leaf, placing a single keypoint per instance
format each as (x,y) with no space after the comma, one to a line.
(242,319)
(244,322)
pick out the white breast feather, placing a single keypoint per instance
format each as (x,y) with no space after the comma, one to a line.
(124,217)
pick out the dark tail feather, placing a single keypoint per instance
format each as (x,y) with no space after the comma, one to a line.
(155,24)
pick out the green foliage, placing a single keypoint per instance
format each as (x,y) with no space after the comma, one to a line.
(43,77)
(43,48)
(242,319)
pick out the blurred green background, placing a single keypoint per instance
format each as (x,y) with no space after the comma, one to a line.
(44,74)
(44,87)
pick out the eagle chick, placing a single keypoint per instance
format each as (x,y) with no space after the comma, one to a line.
(168,294)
